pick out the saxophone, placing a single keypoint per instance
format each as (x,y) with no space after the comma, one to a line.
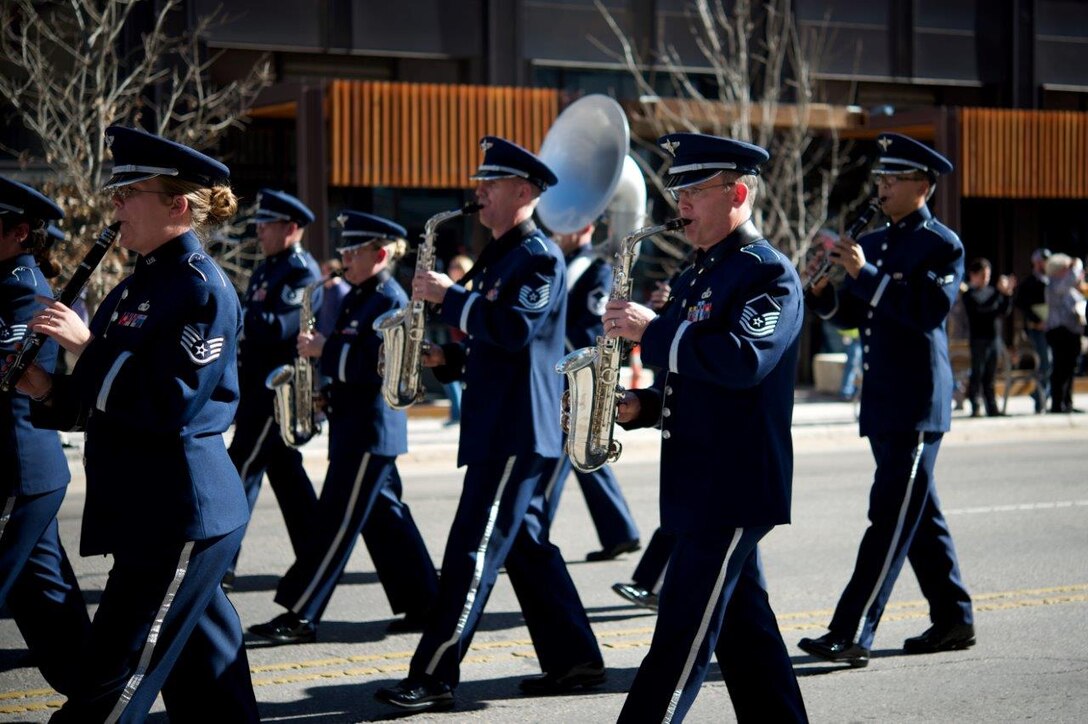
(593,389)
(399,359)
(296,386)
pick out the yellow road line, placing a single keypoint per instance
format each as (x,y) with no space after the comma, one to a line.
(363,665)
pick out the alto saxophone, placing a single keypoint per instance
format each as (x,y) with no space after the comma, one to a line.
(400,358)
(593,373)
(296,386)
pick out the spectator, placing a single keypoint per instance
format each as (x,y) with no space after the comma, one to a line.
(1031,301)
(1064,326)
(985,306)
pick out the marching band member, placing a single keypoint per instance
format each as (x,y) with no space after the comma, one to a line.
(272,322)
(512,306)
(902,280)
(365,437)
(727,346)
(589,278)
(154,389)
(36,579)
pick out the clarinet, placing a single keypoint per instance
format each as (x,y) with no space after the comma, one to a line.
(860,222)
(67,297)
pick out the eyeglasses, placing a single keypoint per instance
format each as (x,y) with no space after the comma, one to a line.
(891,179)
(121,194)
(691,192)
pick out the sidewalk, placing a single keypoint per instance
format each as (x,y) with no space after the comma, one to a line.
(819,421)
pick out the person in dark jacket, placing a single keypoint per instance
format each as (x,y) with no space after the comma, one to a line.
(901,281)
(985,307)
(726,348)
(36,580)
(155,388)
(1031,301)
(512,305)
(365,437)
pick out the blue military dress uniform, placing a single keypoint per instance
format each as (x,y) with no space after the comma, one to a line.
(37,583)
(590,283)
(513,314)
(155,390)
(362,490)
(271,325)
(899,302)
(726,346)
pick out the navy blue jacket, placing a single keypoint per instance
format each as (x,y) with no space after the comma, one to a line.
(900,302)
(514,315)
(359,417)
(155,390)
(726,346)
(272,304)
(589,278)
(31,460)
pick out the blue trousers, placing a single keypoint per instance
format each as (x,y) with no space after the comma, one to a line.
(258,448)
(905,523)
(714,600)
(39,587)
(650,571)
(1042,374)
(607,506)
(357,485)
(500,518)
(164,624)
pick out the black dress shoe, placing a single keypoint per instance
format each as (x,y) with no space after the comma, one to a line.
(413,622)
(836,648)
(636,595)
(628,546)
(287,628)
(580,676)
(418,695)
(941,638)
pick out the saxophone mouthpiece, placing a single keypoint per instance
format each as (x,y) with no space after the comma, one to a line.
(471,208)
(674,224)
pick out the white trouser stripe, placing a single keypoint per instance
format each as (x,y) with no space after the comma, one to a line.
(107,383)
(464,311)
(256,449)
(343,367)
(9,505)
(896,534)
(478,572)
(338,538)
(153,635)
(879,291)
(674,350)
(704,624)
(555,479)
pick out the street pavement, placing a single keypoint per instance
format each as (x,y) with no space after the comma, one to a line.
(1014,489)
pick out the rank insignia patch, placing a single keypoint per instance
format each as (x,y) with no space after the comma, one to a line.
(201,351)
(13,333)
(597,301)
(292,297)
(535,298)
(760,316)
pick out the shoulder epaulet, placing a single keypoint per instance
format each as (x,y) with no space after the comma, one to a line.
(27,273)
(872,231)
(203,267)
(298,260)
(763,253)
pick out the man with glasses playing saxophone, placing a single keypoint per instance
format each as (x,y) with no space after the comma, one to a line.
(726,346)
(271,308)
(512,306)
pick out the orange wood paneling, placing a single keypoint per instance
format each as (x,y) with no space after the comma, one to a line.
(1023,154)
(426,135)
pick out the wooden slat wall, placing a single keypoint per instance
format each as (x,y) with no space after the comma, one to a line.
(1016,154)
(411,135)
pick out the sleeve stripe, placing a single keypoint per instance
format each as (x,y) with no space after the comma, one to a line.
(674,350)
(464,311)
(107,383)
(342,368)
(880,291)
